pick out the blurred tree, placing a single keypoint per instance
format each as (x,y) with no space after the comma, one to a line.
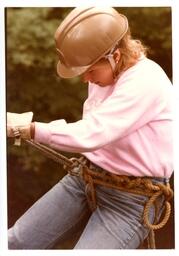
(152,25)
(32,85)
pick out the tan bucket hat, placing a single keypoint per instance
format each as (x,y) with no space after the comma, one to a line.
(85,36)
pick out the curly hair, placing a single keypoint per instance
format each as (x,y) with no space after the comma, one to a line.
(130,50)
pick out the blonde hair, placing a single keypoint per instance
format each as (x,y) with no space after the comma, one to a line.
(130,50)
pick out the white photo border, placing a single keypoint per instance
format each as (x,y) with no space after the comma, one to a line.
(3,163)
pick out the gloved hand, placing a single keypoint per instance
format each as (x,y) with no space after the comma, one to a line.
(18,126)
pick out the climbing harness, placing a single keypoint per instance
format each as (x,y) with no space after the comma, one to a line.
(94,175)
(136,185)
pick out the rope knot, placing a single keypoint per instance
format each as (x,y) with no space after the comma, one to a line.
(76,167)
(166,191)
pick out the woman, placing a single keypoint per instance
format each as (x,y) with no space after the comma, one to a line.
(125,133)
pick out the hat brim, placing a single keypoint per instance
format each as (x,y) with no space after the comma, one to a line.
(71,72)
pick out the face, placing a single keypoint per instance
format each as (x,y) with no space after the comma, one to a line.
(100,73)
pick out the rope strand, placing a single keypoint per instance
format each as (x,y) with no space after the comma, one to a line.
(136,185)
(140,186)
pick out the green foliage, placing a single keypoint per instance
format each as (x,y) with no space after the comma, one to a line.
(152,25)
(32,84)
(31,40)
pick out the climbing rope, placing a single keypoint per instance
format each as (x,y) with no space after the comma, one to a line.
(137,185)
(50,153)
(141,186)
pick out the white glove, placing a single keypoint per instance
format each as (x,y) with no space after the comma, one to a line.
(18,126)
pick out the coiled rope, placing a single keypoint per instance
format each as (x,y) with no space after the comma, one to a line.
(141,186)
(137,185)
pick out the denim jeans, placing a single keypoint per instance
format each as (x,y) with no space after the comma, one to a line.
(115,224)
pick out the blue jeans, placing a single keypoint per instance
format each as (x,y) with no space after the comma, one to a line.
(115,224)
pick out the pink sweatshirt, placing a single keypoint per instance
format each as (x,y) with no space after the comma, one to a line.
(126,128)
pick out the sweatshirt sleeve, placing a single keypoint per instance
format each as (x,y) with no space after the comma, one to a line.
(136,100)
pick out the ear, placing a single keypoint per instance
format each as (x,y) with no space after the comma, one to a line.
(117,55)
